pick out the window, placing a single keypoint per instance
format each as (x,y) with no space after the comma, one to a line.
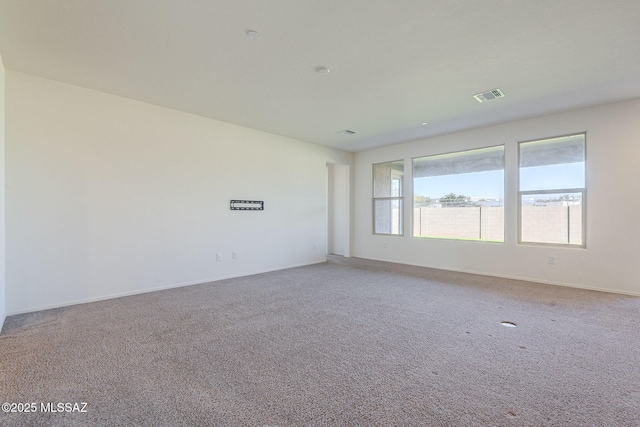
(552,191)
(387,197)
(460,195)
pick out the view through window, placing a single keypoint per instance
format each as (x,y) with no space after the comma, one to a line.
(552,191)
(460,195)
(388,197)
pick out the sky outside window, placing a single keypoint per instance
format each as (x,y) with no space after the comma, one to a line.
(489,184)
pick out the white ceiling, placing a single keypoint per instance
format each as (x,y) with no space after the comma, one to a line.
(394,63)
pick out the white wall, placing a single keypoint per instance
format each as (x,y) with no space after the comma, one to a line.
(2,191)
(610,261)
(107,196)
(339,209)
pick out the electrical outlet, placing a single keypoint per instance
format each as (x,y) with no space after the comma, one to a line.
(551,260)
(234,255)
(218,257)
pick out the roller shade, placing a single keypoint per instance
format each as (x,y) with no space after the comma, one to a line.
(481,160)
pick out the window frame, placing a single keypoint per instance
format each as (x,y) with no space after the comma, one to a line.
(399,199)
(582,191)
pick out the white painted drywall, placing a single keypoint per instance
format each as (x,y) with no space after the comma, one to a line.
(3,311)
(339,209)
(330,208)
(610,261)
(108,196)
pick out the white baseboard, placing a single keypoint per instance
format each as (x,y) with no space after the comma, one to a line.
(159,288)
(505,276)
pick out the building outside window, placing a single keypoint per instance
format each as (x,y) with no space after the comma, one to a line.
(388,198)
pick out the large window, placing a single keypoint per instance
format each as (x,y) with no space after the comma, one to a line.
(460,195)
(552,191)
(387,197)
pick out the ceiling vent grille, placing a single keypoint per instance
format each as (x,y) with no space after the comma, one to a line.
(488,95)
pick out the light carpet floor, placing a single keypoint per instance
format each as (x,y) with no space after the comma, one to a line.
(349,342)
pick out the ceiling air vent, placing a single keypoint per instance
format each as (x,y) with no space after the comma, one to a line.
(346,132)
(488,95)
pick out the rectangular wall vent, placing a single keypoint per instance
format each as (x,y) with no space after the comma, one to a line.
(488,95)
(247,205)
